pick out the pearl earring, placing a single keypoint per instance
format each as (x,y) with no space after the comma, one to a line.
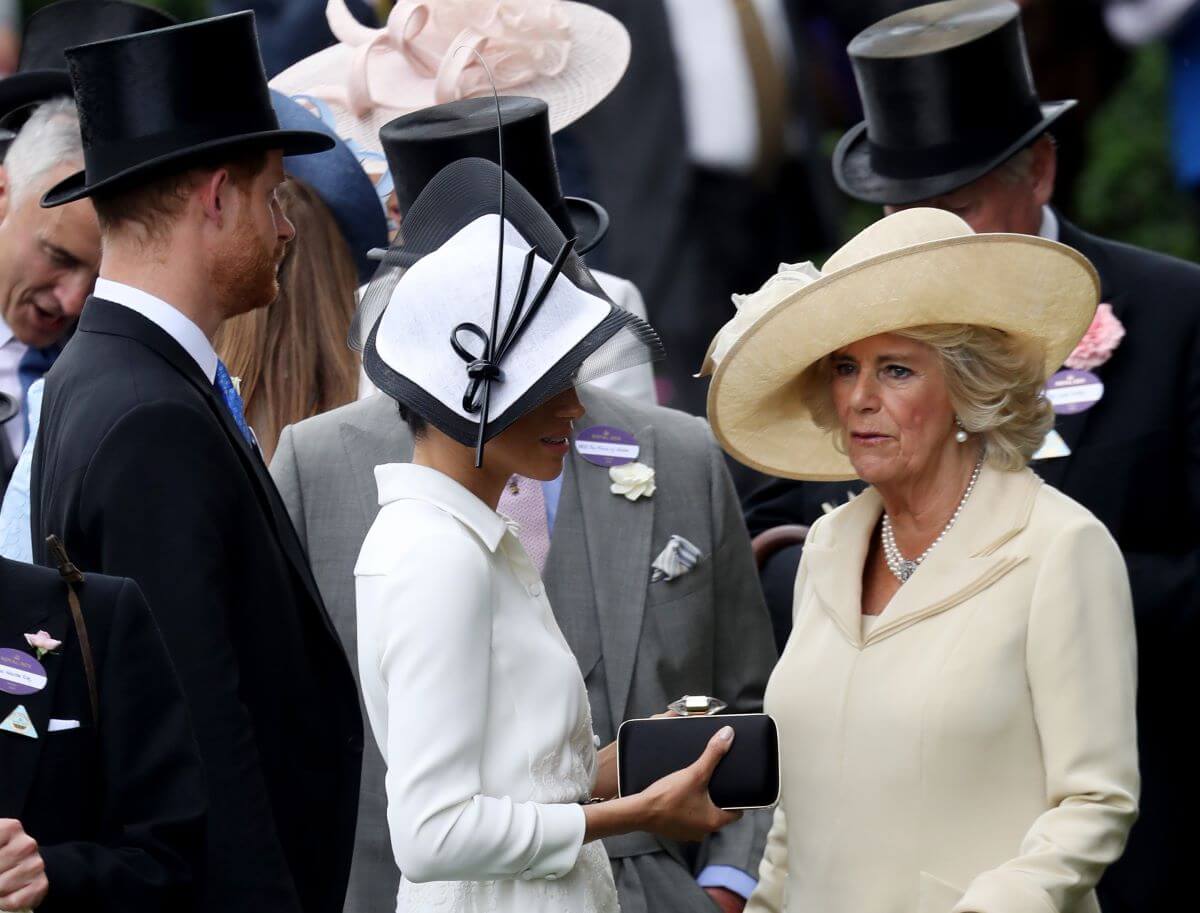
(961,434)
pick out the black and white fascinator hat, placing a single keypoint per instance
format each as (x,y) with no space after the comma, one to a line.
(471,327)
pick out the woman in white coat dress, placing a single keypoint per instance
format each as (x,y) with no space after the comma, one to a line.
(472,692)
(956,700)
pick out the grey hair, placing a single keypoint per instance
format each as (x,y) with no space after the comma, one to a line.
(1019,168)
(48,140)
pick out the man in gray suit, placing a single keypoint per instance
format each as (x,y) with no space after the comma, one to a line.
(640,644)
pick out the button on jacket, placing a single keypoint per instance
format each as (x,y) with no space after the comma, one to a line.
(976,751)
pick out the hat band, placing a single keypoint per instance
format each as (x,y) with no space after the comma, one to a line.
(106,158)
(942,158)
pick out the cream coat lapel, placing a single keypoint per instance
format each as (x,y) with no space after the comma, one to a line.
(970,559)
(618,534)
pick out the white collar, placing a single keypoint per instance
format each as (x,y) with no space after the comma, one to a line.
(169,319)
(1049,226)
(411,482)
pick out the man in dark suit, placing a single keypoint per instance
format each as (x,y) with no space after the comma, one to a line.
(1133,458)
(101,805)
(695,201)
(47,259)
(146,467)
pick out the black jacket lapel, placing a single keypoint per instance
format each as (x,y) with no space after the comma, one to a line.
(19,754)
(1073,427)
(102,316)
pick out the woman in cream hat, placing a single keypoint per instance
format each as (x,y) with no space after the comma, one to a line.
(956,701)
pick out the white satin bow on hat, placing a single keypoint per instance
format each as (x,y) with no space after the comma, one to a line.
(568,54)
(519,40)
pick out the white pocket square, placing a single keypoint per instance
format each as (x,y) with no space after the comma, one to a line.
(677,559)
(62,725)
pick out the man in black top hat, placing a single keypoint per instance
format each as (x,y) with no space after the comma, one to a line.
(953,121)
(101,786)
(47,260)
(146,467)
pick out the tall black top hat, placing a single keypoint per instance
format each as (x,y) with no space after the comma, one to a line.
(948,95)
(42,70)
(160,101)
(421,144)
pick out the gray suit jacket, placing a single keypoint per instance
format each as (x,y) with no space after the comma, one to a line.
(639,645)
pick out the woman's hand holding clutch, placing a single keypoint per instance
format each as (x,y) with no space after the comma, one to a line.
(677,807)
(606,766)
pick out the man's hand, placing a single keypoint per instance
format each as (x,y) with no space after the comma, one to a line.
(23,884)
(727,901)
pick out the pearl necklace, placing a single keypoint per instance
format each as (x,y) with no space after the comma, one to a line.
(900,566)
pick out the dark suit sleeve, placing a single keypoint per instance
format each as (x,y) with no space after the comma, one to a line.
(154,800)
(1166,587)
(744,657)
(157,497)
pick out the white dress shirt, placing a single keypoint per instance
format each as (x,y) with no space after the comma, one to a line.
(11,352)
(16,531)
(1049,227)
(478,706)
(720,111)
(169,319)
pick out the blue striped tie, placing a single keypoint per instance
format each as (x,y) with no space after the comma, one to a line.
(233,402)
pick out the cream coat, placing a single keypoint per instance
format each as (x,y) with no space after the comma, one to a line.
(977,752)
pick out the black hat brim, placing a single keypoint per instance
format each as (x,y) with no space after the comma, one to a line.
(22,90)
(590,221)
(289,142)
(854,175)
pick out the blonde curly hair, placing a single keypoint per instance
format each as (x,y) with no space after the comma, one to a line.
(994,381)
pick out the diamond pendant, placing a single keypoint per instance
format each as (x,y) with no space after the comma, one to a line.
(907,569)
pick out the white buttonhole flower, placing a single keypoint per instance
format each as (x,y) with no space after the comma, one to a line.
(633,480)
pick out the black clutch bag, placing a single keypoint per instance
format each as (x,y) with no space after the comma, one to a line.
(747,777)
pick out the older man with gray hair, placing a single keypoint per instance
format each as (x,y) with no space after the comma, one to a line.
(48,262)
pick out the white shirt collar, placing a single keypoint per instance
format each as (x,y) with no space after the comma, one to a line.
(411,482)
(170,320)
(1049,227)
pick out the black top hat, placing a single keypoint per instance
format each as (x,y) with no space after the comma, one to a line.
(421,144)
(948,95)
(158,102)
(42,69)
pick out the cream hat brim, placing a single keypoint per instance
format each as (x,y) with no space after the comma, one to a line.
(1024,285)
(599,54)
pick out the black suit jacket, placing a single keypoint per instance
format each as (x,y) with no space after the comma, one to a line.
(140,469)
(117,809)
(1135,463)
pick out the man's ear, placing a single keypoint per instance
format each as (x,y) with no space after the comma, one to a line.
(215,195)
(5,193)
(1044,170)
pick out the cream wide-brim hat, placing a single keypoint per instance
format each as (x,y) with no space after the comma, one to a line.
(913,268)
(597,58)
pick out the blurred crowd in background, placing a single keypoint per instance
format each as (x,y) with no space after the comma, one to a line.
(707,200)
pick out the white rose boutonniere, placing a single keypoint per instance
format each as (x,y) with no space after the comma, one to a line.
(632,480)
(790,278)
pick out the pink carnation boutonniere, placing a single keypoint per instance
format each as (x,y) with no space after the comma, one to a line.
(1099,342)
(43,643)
